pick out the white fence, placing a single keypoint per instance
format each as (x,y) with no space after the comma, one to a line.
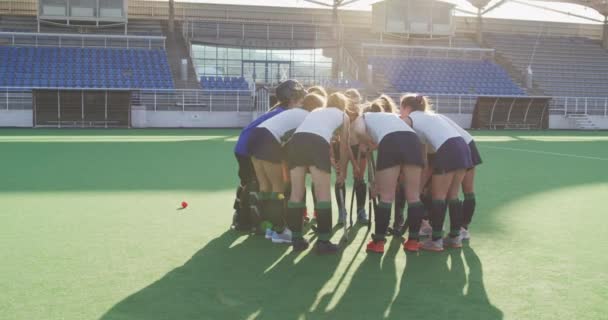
(34,39)
(194,100)
(15,99)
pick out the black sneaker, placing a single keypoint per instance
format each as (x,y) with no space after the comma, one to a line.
(299,244)
(326,247)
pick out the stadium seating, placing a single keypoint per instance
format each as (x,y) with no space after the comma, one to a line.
(561,66)
(224,83)
(446,76)
(342,84)
(52,67)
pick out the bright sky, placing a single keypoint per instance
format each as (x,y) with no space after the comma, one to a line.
(509,10)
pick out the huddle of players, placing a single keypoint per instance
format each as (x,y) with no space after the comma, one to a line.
(423,159)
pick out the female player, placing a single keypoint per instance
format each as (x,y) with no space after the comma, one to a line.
(309,150)
(468,183)
(358,164)
(244,217)
(451,160)
(265,148)
(399,152)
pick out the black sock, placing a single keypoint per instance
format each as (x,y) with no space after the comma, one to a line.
(468,209)
(238,198)
(360,193)
(399,202)
(276,213)
(428,205)
(455,217)
(294,218)
(340,190)
(382,217)
(437,216)
(324,223)
(415,213)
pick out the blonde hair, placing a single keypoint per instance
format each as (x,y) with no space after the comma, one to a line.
(416,101)
(353,95)
(313,101)
(318,90)
(388,104)
(340,101)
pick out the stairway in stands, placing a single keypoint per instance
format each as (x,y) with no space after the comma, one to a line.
(177,49)
(582,121)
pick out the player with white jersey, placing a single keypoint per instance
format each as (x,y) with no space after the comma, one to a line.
(309,150)
(399,151)
(468,183)
(451,160)
(266,149)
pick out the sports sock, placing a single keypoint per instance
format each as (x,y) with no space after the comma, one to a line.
(294,218)
(360,193)
(399,202)
(415,213)
(455,217)
(275,208)
(340,190)
(428,205)
(438,209)
(324,223)
(381,219)
(468,209)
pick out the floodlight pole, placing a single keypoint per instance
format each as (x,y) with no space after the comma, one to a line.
(479,26)
(605,33)
(171,21)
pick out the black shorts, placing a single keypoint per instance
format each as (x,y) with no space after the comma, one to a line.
(399,148)
(307,150)
(246,171)
(263,145)
(453,155)
(475,156)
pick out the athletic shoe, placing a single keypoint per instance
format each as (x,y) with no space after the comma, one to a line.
(342,216)
(465,234)
(452,242)
(398,226)
(425,229)
(299,244)
(268,234)
(411,245)
(325,247)
(283,237)
(430,245)
(362,216)
(376,246)
(305,215)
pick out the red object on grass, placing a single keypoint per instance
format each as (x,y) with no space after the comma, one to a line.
(184,204)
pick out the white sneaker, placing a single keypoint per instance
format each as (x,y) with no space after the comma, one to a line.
(430,245)
(425,229)
(284,237)
(268,234)
(465,234)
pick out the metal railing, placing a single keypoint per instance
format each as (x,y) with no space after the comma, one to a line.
(579,105)
(15,99)
(194,100)
(406,51)
(34,39)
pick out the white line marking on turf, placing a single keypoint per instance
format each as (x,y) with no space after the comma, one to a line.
(548,153)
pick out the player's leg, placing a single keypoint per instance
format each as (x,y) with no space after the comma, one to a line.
(276,201)
(469,203)
(415,208)
(321,180)
(440,185)
(455,208)
(261,197)
(385,181)
(295,206)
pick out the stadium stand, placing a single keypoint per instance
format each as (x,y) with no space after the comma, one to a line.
(446,76)
(52,67)
(224,83)
(343,84)
(561,66)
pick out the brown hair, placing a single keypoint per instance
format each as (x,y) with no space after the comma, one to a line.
(388,104)
(318,90)
(313,101)
(340,101)
(376,106)
(353,95)
(416,101)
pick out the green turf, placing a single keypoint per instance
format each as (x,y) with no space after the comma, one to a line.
(89,230)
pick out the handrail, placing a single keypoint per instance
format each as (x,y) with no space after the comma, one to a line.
(78,36)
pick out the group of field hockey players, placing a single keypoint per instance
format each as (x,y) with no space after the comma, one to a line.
(413,158)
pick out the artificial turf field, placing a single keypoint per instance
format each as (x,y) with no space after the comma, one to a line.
(89,230)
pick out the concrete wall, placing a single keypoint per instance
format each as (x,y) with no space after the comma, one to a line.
(463,120)
(564,123)
(16,118)
(188,119)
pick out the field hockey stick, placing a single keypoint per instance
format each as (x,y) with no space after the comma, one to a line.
(371,179)
(345,227)
(352,195)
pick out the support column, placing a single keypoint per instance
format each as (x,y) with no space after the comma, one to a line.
(479,27)
(605,33)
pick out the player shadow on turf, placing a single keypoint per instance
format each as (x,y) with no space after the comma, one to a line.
(433,286)
(232,278)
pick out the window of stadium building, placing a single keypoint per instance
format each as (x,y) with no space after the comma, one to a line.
(263,65)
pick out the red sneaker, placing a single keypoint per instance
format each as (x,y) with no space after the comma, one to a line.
(411,245)
(376,246)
